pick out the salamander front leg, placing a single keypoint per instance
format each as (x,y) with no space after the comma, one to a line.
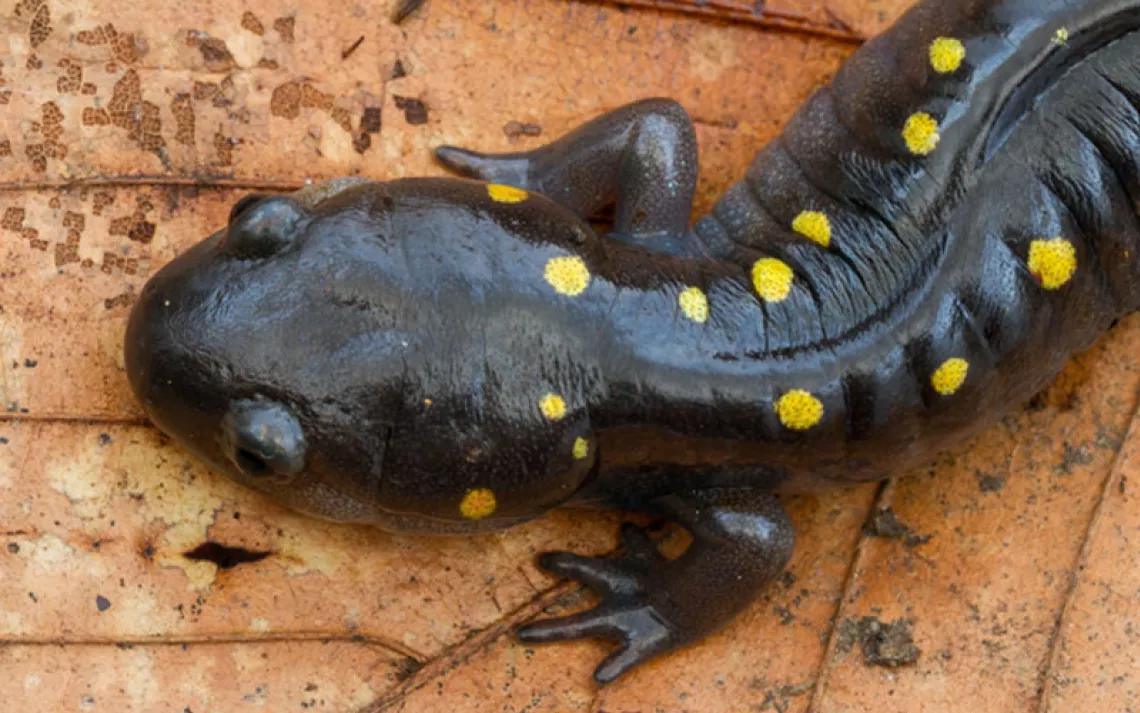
(741,541)
(642,158)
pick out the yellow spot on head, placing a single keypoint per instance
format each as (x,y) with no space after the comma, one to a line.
(553,407)
(949,377)
(478,504)
(921,134)
(567,275)
(947,54)
(694,304)
(814,226)
(581,448)
(505,194)
(1052,262)
(799,410)
(1061,36)
(772,279)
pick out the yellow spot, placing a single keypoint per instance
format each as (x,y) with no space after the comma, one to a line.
(799,410)
(814,226)
(921,134)
(947,54)
(949,377)
(553,407)
(567,275)
(505,194)
(1061,37)
(1052,262)
(694,304)
(581,448)
(478,504)
(772,279)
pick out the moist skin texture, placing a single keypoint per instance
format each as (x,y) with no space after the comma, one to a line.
(922,248)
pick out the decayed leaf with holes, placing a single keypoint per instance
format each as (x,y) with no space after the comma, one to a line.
(127,137)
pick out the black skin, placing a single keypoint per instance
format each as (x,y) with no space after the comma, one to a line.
(382,352)
(641,159)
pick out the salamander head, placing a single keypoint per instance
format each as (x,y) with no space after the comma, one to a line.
(380,353)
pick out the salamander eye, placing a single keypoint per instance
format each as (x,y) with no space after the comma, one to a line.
(264,440)
(243,204)
(262,225)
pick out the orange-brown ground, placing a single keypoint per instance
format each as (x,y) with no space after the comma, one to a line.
(127,131)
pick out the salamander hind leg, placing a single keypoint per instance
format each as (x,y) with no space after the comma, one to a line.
(650,605)
(640,158)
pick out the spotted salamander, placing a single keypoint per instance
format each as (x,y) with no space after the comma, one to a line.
(924,245)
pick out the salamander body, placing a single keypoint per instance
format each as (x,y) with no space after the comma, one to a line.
(923,247)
